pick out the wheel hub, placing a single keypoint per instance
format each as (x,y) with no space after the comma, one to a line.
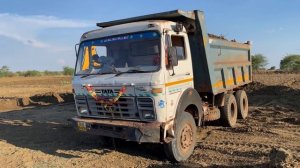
(186,139)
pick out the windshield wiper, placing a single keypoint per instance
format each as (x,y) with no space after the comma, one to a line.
(103,73)
(130,71)
(113,68)
(84,76)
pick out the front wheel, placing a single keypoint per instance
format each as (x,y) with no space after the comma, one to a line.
(182,147)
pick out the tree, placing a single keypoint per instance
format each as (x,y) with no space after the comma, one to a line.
(68,70)
(4,71)
(290,63)
(259,61)
(272,68)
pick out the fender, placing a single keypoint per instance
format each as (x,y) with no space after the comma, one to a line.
(190,97)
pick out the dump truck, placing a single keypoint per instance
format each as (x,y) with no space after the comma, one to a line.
(158,78)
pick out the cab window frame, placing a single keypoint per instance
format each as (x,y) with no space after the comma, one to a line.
(184,45)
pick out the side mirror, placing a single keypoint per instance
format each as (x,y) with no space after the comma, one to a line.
(76,49)
(172,53)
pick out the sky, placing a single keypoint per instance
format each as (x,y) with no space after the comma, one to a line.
(41,34)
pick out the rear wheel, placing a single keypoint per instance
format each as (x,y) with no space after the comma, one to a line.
(229,111)
(242,104)
(184,142)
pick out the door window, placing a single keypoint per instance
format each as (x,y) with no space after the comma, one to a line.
(178,41)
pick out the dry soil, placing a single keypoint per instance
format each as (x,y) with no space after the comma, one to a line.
(42,136)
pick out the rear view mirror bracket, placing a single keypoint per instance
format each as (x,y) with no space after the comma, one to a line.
(76,49)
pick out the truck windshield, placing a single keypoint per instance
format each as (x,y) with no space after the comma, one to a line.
(137,52)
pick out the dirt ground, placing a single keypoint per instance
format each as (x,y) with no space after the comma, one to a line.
(42,136)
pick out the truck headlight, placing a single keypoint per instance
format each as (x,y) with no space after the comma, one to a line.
(148,114)
(82,110)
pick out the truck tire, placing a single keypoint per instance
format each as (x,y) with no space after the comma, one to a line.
(242,104)
(184,142)
(229,111)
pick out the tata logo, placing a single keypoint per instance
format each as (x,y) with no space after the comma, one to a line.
(106,91)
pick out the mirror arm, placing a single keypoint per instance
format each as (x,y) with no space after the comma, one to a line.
(76,49)
(173,73)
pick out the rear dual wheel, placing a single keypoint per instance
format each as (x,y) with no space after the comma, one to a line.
(242,104)
(229,111)
(235,106)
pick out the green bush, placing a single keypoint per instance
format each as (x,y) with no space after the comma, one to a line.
(32,73)
(11,74)
(20,73)
(272,68)
(68,70)
(52,73)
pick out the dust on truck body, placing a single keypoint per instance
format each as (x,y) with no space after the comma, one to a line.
(156,78)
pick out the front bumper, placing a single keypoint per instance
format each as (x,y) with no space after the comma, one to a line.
(128,130)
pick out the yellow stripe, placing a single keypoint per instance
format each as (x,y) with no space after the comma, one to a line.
(230,81)
(178,82)
(246,77)
(218,84)
(239,79)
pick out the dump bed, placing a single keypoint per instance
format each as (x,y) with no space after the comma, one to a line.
(218,64)
(228,65)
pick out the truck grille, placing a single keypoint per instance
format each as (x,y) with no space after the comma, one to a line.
(127,108)
(81,102)
(145,103)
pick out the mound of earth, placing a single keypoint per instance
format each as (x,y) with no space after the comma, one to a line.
(7,103)
(276,90)
(280,157)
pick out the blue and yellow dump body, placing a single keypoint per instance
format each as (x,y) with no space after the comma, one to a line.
(228,66)
(219,65)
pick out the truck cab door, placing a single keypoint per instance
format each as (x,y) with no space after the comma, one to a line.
(180,77)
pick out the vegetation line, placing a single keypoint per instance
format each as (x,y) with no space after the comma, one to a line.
(5,72)
(288,63)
